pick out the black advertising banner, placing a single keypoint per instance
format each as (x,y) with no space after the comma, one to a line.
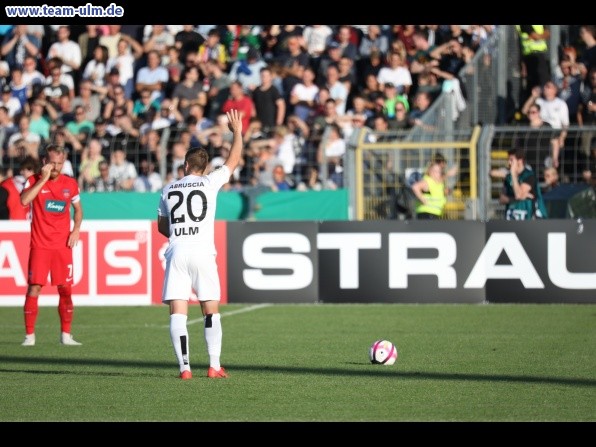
(399,262)
(546,261)
(272,262)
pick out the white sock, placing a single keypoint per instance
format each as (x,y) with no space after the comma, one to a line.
(179,335)
(213,336)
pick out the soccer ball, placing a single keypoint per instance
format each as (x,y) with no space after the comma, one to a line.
(383,352)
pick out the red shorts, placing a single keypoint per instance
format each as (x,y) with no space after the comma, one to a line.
(57,261)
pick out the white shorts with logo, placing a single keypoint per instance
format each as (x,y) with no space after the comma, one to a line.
(186,270)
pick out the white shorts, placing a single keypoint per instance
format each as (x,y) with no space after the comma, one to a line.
(188,270)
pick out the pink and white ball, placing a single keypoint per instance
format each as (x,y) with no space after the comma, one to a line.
(383,352)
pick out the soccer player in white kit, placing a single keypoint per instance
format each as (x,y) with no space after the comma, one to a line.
(186,215)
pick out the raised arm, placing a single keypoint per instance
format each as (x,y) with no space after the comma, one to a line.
(235,125)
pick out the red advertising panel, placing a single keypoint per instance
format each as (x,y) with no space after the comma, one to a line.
(112,264)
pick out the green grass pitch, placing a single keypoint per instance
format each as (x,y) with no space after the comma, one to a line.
(491,362)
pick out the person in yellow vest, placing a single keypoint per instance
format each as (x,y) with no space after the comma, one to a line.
(534,55)
(431,193)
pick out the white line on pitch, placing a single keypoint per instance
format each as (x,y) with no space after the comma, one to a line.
(228,314)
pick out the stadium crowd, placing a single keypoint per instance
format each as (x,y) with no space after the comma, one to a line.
(127,99)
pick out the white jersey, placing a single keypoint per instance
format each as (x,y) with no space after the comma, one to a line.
(189,204)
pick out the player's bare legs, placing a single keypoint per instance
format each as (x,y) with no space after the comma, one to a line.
(213,337)
(179,335)
(30,310)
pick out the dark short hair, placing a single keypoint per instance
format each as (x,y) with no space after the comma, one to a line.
(29,163)
(197,159)
(517,152)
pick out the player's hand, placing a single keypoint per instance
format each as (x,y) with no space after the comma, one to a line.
(234,121)
(46,171)
(73,238)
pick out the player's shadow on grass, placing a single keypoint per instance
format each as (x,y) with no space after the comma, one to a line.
(368,370)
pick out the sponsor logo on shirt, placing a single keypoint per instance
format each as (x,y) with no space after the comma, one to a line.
(55,206)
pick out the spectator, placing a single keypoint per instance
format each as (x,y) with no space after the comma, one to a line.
(88,100)
(520,193)
(373,41)
(218,87)
(280,181)
(186,93)
(554,111)
(18,44)
(55,88)
(19,89)
(103,183)
(588,56)
(332,56)
(81,127)
(122,171)
(117,102)
(128,51)
(42,115)
(158,40)
(68,51)
(24,142)
(270,107)
(337,90)
(152,77)
(110,40)
(422,102)
(7,128)
(569,87)
(332,152)
(64,78)
(343,38)
(396,73)
(239,101)
(293,64)
(285,147)
(88,41)
(96,69)
(178,153)
(148,180)
(31,76)
(586,114)
(315,40)
(431,193)
(551,179)
(188,41)
(174,68)
(392,98)
(91,159)
(12,104)
(534,59)
(212,49)
(312,183)
(303,95)
(248,71)
(143,105)
(538,144)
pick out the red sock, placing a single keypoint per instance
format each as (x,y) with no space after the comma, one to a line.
(65,308)
(30,310)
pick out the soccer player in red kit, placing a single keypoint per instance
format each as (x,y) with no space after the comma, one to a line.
(51,195)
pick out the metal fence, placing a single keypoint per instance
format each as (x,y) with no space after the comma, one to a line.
(381,166)
(575,162)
